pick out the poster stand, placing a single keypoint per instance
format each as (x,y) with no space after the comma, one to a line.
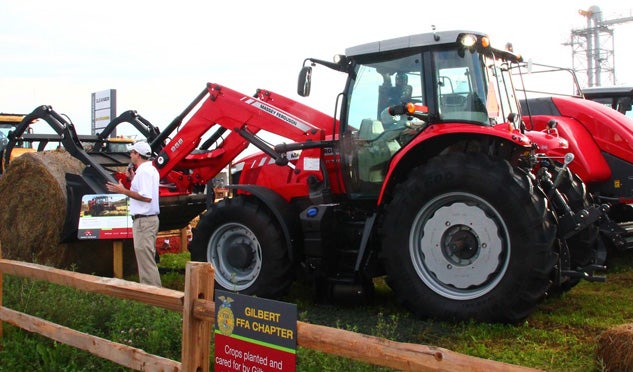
(117,258)
(107,217)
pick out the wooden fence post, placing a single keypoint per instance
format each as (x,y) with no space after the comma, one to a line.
(117,258)
(196,332)
(183,239)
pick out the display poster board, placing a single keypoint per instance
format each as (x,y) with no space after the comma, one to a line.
(254,334)
(105,216)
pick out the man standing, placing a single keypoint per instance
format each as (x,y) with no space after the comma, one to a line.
(143,194)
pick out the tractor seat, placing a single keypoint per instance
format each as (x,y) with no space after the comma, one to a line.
(370,129)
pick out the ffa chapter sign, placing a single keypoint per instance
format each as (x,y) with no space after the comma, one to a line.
(105,216)
(254,334)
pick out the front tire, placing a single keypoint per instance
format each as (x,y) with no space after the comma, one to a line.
(465,237)
(246,247)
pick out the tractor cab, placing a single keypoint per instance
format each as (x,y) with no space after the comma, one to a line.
(3,139)
(398,89)
(619,98)
(8,122)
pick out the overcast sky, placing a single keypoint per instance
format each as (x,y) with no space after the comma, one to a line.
(159,55)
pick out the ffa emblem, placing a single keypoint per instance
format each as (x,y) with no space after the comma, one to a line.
(226,320)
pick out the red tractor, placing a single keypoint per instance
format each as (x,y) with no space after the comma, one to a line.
(619,98)
(100,205)
(422,174)
(594,121)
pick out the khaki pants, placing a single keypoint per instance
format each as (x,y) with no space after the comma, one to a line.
(145,230)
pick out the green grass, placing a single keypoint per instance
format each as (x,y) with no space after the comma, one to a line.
(560,336)
(174,261)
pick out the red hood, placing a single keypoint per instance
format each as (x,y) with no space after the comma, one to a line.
(612,131)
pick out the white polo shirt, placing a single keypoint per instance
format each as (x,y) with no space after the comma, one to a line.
(145,182)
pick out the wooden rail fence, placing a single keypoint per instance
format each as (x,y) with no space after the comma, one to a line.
(198,310)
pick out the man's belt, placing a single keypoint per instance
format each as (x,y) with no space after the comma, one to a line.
(142,215)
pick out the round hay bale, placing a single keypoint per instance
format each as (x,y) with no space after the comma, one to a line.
(33,194)
(615,348)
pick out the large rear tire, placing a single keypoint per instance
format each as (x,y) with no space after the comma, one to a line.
(246,247)
(465,237)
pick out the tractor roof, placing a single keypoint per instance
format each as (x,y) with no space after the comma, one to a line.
(404,42)
(12,119)
(121,139)
(608,91)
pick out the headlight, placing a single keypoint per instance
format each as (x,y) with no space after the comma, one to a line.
(468,40)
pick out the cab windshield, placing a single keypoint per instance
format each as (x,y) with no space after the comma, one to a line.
(461,87)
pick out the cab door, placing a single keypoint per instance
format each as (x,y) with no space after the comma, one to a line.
(372,136)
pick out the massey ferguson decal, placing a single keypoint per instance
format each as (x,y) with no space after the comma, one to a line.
(301,125)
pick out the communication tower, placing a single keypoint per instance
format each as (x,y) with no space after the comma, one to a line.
(593,47)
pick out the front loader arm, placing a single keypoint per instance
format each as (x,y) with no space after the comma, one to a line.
(147,129)
(242,117)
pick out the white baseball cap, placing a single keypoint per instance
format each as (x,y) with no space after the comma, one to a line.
(143,149)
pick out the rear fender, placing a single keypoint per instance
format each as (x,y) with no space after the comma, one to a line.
(438,137)
(283,212)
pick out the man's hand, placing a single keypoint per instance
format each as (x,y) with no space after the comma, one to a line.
(116,188)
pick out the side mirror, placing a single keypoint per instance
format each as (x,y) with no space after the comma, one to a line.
(305,80)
